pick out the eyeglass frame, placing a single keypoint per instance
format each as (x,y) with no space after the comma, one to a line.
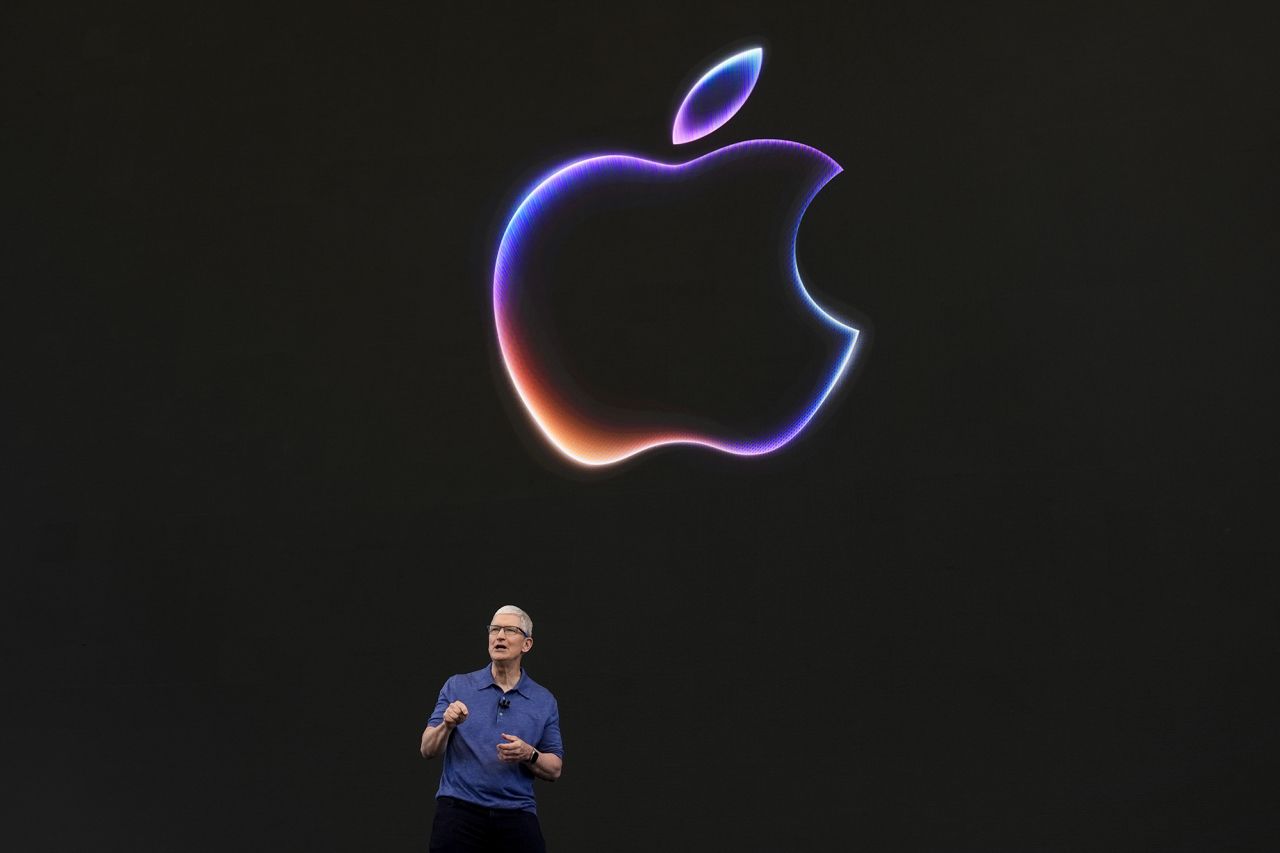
(503,629)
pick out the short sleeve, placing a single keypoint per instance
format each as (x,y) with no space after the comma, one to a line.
(437,716)
(550,740)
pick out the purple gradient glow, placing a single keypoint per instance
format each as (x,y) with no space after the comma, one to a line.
(717,96)
(574,433)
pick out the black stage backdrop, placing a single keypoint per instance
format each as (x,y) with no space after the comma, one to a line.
(266,479)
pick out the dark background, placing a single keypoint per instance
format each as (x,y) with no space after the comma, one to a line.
(265,479)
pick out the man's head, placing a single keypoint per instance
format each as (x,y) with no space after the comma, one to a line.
(510,634)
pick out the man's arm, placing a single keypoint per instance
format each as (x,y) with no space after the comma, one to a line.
(435,738)
(548,765)
(549,762)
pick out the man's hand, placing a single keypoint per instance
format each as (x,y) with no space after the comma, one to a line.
(514,750)
(455,715)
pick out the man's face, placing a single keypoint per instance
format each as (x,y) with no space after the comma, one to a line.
(508,644)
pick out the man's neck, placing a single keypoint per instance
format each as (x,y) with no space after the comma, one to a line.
(506,673)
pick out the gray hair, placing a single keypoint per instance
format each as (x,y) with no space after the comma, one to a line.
(526,624)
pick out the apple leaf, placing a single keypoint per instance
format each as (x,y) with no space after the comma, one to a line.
(717,96)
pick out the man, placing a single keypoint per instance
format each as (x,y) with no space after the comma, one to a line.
(498,730)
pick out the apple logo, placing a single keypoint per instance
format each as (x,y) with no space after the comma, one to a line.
(602,207)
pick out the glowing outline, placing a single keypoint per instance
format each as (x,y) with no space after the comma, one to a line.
(750,61)
(543,413)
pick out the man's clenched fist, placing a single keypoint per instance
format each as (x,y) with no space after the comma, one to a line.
(455,714)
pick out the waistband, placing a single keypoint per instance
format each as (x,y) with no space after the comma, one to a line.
(479,809)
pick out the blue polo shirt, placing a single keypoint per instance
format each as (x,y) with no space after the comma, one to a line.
(472,769)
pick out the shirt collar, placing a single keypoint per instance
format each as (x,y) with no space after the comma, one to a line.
(483,678)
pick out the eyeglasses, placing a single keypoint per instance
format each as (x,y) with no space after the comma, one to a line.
(505,630)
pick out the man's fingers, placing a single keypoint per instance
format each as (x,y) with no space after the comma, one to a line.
(459,711)
(511,738)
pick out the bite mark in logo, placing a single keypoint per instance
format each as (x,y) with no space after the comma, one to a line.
(563,421)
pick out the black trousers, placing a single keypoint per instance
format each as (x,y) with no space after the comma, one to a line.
(462,827)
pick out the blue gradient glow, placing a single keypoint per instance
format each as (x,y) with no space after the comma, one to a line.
(717,96)
(574,433)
